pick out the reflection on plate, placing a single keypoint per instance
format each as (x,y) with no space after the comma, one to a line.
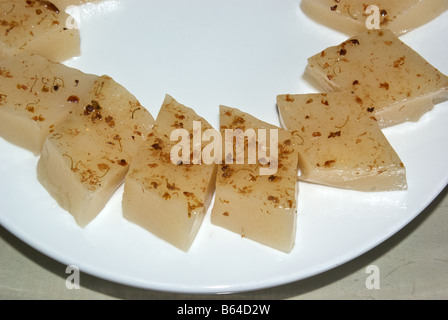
(241,54)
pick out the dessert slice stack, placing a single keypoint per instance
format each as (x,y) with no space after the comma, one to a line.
(350,16)
(36,95)
(257,197)
(37,26)
(341,144)
(162,194)
(87,157)
(376,65)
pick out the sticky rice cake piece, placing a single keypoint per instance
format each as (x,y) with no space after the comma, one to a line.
(37,27)
(258,206)
(342,145)
(170,199)
(36,95)
(378,65)
(87,157)
(349,16)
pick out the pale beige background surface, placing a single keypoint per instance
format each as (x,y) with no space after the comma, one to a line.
(413,264)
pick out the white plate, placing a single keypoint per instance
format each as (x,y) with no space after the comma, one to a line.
(241,54)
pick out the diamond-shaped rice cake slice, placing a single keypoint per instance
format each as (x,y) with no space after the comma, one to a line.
(170,199)
(258,206)
(341,144)
(379,66)
(36,95)
(87,157)
(349,16)
(38,27)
